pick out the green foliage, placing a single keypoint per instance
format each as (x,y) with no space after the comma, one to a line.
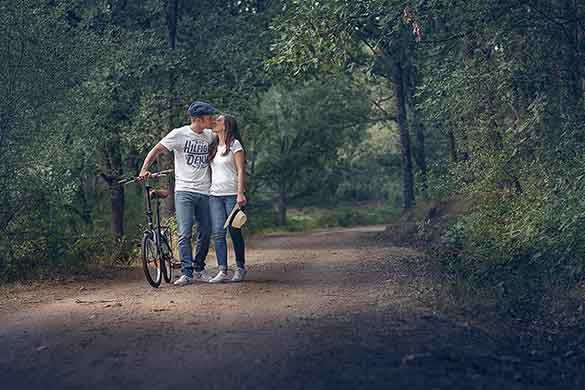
(498,86)
(90,83)
(372,167)
(301,130)
(519,130)
(312,218)
(44,60)
(501,92)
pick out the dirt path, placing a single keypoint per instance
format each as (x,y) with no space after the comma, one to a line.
(323,310)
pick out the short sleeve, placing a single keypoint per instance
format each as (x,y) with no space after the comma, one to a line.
(236,146)
(210,135)
(171,140)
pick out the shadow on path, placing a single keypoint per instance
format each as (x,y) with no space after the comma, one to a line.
(329,316)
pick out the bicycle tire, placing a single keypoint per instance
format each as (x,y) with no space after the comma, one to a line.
(166,258)
(150,261)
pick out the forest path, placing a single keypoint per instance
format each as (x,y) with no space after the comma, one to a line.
(333,309)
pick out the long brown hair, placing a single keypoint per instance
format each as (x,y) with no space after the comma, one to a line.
(232,133)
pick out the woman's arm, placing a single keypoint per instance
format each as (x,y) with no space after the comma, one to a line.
(241,168)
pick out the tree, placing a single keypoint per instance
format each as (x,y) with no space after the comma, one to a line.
(301,128)
(505,81)
(375,35)
(172,9)
(46,48)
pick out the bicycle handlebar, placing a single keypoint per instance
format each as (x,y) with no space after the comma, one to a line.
(137,178)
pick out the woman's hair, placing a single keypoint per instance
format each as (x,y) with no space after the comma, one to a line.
(232,132)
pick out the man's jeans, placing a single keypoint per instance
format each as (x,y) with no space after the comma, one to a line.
(191,207)
(221,207)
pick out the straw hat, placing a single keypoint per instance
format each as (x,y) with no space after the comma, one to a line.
(236,219)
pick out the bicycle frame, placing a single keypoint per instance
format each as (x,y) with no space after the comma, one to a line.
(153,219)
(155,234)
(152,228)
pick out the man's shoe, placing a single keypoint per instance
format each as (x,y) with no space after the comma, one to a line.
(220,277)
(239,275)
(201,276)
(183,281)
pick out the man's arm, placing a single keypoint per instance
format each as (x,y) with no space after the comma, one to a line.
(150,157)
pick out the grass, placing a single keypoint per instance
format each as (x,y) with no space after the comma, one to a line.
(314,218)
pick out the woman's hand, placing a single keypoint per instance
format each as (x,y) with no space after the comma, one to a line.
(241,200)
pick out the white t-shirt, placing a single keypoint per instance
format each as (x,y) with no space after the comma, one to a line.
(224,175)
(191,165)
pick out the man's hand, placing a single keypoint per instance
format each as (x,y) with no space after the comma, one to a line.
(241,200)
(143,175)
(152,155)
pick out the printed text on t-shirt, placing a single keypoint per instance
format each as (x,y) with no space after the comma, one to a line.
(196,153)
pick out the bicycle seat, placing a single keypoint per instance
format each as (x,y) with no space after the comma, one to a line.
(159,194)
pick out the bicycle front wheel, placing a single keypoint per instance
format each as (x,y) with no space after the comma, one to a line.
(151,264)
(166,258)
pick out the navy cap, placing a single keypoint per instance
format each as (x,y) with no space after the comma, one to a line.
(200,109)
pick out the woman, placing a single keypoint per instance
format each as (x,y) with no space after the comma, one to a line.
(227,162)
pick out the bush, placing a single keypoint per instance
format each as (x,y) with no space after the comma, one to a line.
(311,218)
(518,244)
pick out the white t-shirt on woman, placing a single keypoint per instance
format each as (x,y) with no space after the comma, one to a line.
(224,174)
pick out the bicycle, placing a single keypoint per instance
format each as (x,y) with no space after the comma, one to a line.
(155,250)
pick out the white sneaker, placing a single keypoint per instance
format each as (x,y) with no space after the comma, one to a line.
(220,277)
(183,281)
(202,276)
(239,275)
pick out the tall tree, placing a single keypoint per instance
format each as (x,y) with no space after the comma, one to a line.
(348,33)
(172,7)
(302,127)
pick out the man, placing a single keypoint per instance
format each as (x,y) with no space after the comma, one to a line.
(190,144)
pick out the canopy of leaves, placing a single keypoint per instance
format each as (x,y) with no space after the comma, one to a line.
(505,78)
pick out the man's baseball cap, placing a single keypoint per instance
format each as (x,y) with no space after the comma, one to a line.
(200,109)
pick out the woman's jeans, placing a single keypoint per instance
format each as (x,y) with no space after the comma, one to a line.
(221,207)
(191,207)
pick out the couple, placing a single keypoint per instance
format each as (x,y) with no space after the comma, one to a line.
(209,183)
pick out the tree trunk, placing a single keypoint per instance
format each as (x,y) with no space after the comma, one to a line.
(166,162)
(116,190)
(420,155)
(407,177)
(172,10)
(85,206)
(117,197)
(573,53)
(261,5)
(452,146)
(284,150)
(421,158)
(581,45)
(282,206)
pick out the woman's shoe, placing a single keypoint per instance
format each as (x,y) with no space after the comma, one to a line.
(239,275)
(220,277)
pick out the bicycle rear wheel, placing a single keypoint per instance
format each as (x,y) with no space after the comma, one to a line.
(151,264)
(166,258)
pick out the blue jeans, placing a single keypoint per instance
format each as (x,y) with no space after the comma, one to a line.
(191,207)
(220,207)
